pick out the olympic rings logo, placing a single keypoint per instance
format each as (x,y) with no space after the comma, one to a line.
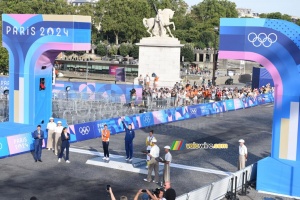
(147,119)
(84,130)
(193,110)
(262,39)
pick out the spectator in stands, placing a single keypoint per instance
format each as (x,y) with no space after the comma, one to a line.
(153,165)
(38,136)
(129,136)
(51,128)
(65,137)
(146,195)
(170,193)
(105,142)
(243,154)
(141,80)
(149,145)
(57,142)
(147,81)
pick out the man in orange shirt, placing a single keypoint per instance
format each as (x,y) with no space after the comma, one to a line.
(105,142)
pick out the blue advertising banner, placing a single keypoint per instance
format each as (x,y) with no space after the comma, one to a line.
(71,130)
(120,74)
(84,131)
(229,105)
(194,111)
(146,119)
(218,107)
(3,147)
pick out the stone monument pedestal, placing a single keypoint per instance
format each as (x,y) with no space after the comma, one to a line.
(160,55)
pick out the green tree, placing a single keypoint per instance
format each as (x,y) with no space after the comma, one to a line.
(276,15)
(3,60)
(123,18)
(101,49)
(187,51)
(134,51)
(112,50)
(125,49)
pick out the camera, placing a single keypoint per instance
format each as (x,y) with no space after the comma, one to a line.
(132,91)
(156,191)
(144,190)
(107,187)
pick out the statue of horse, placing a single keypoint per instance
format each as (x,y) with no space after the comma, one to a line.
(159,26)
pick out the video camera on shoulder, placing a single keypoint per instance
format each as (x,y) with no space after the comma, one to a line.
(132,91)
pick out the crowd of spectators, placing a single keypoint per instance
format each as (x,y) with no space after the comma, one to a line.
(192,93)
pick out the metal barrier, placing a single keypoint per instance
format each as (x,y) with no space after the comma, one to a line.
(218,189)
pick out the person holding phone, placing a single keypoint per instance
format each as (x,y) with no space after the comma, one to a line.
(65,144)
(146,195)
(112,196)
(105,142)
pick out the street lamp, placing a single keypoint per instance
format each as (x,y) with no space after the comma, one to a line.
(216,29)
(6,92)
(68,88)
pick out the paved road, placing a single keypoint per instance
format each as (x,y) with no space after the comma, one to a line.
(22,178)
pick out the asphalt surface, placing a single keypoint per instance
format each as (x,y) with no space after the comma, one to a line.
(22,178)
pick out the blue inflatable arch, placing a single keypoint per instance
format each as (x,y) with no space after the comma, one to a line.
(275,45)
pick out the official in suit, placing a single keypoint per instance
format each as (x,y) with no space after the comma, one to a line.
(65,144)
(38,136)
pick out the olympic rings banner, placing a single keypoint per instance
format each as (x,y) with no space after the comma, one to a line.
(90,130)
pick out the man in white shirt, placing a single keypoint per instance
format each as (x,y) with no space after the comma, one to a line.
(51,128)
(58,131)
(167,162)
(243,154)
(153,164)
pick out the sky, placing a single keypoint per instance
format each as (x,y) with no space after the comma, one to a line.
(290,7)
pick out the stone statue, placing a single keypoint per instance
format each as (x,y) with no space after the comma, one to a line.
(159,26)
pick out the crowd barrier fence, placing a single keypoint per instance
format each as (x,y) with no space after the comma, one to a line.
(218,190)
(90,130)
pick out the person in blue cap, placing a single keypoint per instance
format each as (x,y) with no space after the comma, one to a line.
(129,136)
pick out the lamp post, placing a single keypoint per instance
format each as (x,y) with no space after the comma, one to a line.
(216,29)
(6,92)
(67,91)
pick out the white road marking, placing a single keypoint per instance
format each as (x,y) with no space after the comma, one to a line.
(119,165)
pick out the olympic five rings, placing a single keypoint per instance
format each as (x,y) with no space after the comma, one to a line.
(84,130)
(262,39)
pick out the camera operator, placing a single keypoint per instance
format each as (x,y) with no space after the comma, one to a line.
(132,97)
(159,194)
(147,195)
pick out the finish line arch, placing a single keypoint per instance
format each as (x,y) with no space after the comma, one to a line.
(33,42)
(275,44)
